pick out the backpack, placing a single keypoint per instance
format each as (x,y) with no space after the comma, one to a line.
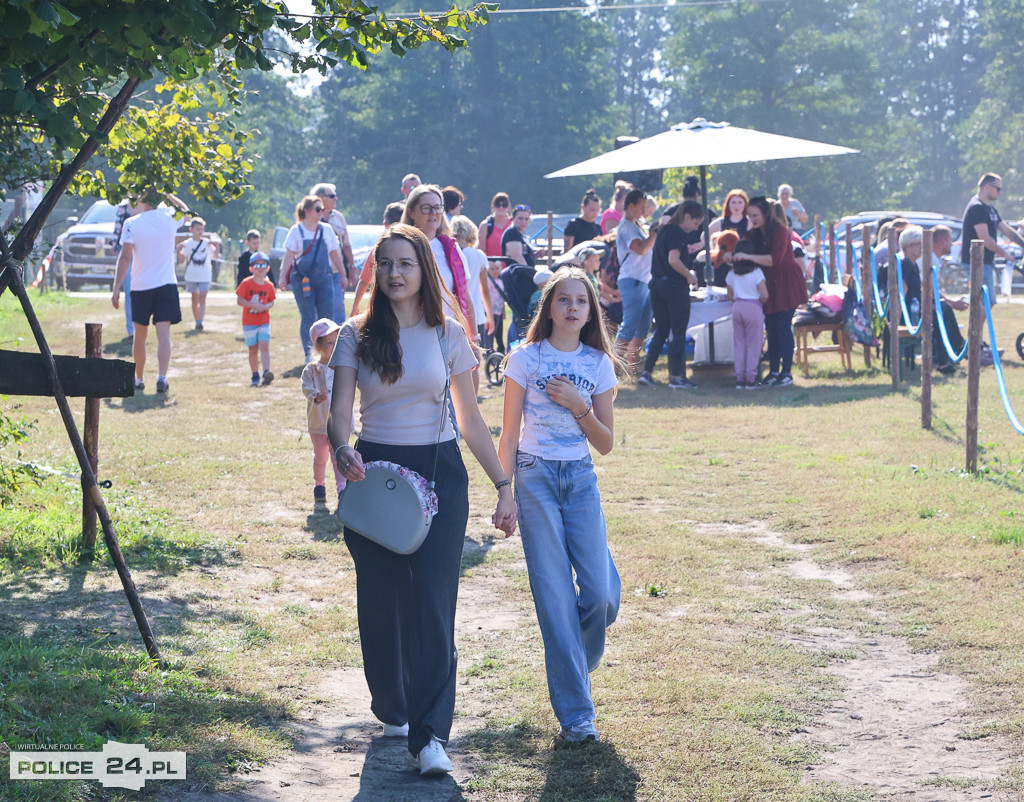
(856,321)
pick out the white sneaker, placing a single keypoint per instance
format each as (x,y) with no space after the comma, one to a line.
(433,759)
(396,730)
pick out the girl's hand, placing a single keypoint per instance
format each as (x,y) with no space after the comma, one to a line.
(320,397)
(695,247)
(564,393)
(350,463)
(505,514)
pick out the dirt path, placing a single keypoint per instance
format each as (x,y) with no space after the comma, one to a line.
(340,753)
(898,730)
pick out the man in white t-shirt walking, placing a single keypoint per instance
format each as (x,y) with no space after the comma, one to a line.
(147,249)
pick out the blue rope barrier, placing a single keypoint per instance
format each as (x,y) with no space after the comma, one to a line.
(880,307)
(997,363)
(911,329)
(941,323)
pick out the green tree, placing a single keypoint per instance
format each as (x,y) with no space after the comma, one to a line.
(801,68)
(992,133)
(71,69)
(532,93)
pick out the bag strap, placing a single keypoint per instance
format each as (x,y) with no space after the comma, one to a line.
(444,402)
(193,254)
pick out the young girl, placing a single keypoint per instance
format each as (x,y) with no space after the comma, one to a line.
(559,389)
(317,383)
(748,292)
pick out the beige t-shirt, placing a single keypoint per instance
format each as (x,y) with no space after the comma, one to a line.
(408,412)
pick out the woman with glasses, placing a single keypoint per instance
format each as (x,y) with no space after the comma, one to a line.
(311,248)
(406,602)
(424,209)
(494,225)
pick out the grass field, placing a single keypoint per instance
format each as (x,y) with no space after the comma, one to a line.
(706,693)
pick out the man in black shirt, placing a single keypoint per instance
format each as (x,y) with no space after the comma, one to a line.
(982,221)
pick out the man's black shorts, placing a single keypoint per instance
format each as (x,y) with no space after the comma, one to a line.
(159,304)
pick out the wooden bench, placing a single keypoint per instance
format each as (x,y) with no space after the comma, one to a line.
(805,346)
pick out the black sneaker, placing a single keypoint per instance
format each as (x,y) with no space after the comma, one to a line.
(768,381)
(319,494)
(268,377)
(645,379)
(161,385)
(784,380)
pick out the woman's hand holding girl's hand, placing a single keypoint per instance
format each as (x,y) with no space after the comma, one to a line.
(505,512)
(350,463)
(320,397)
(564,393)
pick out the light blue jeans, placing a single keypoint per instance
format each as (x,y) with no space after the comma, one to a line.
(563,530)
(339,298)
(636,310)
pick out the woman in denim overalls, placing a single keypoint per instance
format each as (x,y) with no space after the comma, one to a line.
(310,250)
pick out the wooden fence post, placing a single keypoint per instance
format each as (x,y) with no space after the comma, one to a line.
(833,257)
(866,286)
(894,314)
(91,439)
(974,326)
(819,246)
(927,322)
(849,250)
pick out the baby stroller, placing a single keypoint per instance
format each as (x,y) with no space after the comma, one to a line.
(517,291)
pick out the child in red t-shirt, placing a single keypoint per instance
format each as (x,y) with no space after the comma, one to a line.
(256,294)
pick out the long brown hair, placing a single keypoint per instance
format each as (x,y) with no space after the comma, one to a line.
(378,346)
(593,332)
(734,193)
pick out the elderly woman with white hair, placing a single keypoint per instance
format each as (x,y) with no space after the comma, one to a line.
(911,246)
(794,210)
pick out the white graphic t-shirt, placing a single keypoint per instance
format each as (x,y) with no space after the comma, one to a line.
(549,430)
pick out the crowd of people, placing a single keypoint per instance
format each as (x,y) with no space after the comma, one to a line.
(429,301)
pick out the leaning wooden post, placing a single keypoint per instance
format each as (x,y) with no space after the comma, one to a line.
(91,439)
(894,314)
(551,238)
(849,250)
(833,257)
(9,276)
(866,285)
(927,322)
(974,326)
(819,245)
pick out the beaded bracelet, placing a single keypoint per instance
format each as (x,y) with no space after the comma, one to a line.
(585,412)
(502,483)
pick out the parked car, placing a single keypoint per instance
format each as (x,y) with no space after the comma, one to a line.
(537,231)
(85,252)
(363,238)
(276,253)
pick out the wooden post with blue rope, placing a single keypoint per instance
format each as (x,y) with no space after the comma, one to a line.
(894,313)
(974,326)
(927,322)
(866,286)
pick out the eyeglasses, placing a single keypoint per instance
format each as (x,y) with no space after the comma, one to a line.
(998,188)
(426,208)
(501,204)
(522,207)
(332,195)
(403,266)
(318,208)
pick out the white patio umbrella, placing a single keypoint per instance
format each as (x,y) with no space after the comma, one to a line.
(699,144)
